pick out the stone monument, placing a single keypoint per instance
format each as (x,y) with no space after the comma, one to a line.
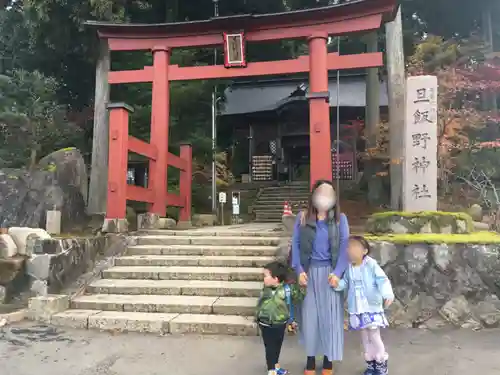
(420,148)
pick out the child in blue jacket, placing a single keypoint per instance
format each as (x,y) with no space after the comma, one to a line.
(369,291)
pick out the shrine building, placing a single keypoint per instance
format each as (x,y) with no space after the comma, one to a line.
(269,123)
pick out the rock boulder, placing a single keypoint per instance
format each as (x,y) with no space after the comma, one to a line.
(204,220)
(419,222)
(8,247)
(59,182)
(10,269)
(476,212)
(24,238)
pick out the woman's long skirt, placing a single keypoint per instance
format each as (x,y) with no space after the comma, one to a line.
(321,316)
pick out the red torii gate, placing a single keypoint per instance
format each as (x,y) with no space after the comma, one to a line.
(315,24)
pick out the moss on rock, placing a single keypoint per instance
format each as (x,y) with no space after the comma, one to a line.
(420,222)
(458,215)
(51,167)
(438,238)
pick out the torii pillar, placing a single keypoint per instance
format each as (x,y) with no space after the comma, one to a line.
(319,109)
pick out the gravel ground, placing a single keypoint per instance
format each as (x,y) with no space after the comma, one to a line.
(27,349)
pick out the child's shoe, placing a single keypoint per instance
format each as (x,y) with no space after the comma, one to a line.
(281,371)
(271,372)
(370,368)
(381,368)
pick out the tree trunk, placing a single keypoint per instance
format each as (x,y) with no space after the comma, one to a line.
(33,155)
(34,146)
(397,103)
(489,98)
(100,143)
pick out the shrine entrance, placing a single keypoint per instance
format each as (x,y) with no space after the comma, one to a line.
(315,25)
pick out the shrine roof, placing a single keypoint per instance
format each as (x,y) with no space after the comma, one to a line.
(250,21)
(271,95)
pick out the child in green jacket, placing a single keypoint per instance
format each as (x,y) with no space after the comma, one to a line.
(275,312)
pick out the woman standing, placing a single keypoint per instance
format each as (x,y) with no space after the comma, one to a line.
(319,256)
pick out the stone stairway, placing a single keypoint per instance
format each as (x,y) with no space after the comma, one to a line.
(268,207)
(178,282)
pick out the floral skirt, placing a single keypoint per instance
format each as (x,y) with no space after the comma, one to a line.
(367,320)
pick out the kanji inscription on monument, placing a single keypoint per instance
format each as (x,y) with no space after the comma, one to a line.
(420,154)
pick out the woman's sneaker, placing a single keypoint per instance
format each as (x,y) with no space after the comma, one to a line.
(281,371)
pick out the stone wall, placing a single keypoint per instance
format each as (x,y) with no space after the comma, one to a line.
(57,263)
(34,263)
(439,284)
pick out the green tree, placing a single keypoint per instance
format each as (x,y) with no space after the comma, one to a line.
(31,120)
(446,18)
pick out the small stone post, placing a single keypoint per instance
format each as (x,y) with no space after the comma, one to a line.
(53,222)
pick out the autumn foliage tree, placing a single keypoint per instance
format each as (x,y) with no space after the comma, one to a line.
(462,82)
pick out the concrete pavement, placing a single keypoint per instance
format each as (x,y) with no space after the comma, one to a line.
(27,349)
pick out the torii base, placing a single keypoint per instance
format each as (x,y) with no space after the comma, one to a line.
(115,226)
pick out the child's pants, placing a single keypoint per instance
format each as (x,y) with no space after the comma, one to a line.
(273,337)
(373,345)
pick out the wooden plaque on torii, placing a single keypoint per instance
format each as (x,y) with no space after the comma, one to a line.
(234,50)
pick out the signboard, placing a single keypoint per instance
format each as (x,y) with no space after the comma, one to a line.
(235,200)
(236,209)
(234,50)
(420,152)
(222,197)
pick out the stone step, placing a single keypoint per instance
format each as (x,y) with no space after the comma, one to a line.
(279,201)
(204,250)
(207,240)
(184,273)
(177,287)
(118,321)
(210,233)
(273,205)
(244,306)
(288,186)
(282,197)
(274,209)
(286,191)
(273,218)
(193,260)
(269,211)
(268,207)
(267,215)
